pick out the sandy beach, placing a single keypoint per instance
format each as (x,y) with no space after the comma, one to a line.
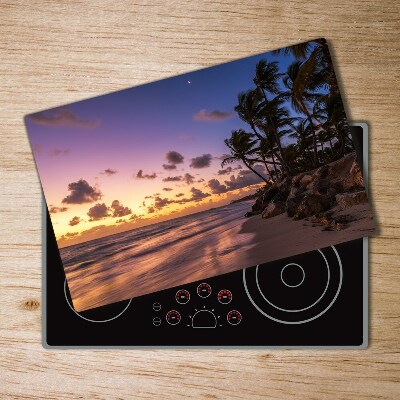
(281,236)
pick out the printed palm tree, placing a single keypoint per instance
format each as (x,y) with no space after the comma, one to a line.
(247,108)
(300,97)
(242,146)
(266,81)
(266,150)
(301,132)
(317,59)
(310,86)
(250,109)
(330,111)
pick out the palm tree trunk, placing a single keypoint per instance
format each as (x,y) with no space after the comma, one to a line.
(322,150)
(252,169)
(305,111)
(266,166)
(283,161)
(274,163)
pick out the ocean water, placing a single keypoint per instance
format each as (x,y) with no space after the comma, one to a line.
(156,257)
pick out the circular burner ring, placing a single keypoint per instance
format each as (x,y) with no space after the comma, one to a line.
(89,319)
(300,309)
(308,319)
(302,279)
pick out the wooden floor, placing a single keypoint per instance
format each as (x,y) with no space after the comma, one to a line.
(54,52)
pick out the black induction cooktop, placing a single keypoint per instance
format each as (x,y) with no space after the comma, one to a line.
(316,299)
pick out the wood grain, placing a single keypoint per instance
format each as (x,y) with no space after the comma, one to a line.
(56,52)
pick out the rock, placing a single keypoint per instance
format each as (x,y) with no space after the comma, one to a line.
(356,175)
(321,172)
(284,184)
(295,191)
(282,195)
(335,188)
(350,199)
(319,186)
(297,178)
(306,180)
(274,209)
(311,204)
(264,199)
(292,203)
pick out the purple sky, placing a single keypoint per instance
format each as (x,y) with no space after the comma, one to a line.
(90,153)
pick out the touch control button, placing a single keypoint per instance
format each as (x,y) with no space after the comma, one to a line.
(234,317)
(156,306)
(204,290)
(182,296)
(156,321)
(225,296)
(173,317)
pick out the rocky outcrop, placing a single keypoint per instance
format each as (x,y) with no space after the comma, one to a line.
(347,200)
(331,222)
(311,204)
(292,204)
(274,209)
(311,193)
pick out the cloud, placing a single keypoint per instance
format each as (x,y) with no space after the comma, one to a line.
(92,230)
(69,235)
(216,187)
(74,221)
(140,175)
(121,221)
(200,180)
(119,210)
(201,161)
(82,192)
(179,194)
(151,210)
(169,167)
(167,189)
(212,116)
(109,172)
(99,211)
(55,210)
(134,216)
(244,178)
(225,171)
(173,157)
(62,117)
(188,178)
(148,197)
(172,179)
(59,152)
(161,203)
(198,195)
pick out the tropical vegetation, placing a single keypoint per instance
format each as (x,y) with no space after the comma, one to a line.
(296,119)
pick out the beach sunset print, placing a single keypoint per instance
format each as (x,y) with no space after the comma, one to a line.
(155,186)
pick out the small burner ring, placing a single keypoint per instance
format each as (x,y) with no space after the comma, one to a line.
(302,272)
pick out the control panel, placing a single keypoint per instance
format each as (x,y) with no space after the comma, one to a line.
(206,308)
